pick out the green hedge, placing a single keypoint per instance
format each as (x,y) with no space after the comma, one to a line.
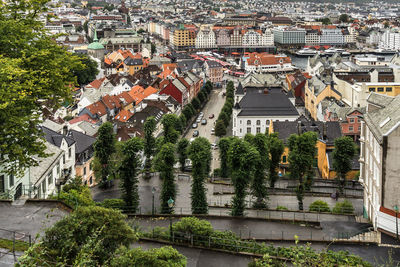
(319,206)
(344,207)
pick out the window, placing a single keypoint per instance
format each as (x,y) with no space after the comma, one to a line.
(352,120)
(359,128)
(267,122)
(388,89)
(248,122)
(240,130)
(84,170)
(248,130)
(64,159)
(258,130)
(372,89)
(50,178)
(380,89)
(44,186)
(69,153)
(90,180)
(2,186)
(58,169)
(350,128)
(258,122)
(284,159)
(11,180)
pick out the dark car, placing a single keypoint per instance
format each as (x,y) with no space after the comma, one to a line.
(204,122)
(195,133)
(211,116)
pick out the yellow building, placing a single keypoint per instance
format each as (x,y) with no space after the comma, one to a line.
(317,90)
(184,38)
(327,133)
(390,89)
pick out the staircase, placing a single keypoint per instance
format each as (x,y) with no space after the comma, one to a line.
(365,237)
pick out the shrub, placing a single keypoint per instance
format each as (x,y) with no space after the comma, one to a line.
(217,172)
(224,240)
(319,206)
(113,203)
(344,207)
(281,208)
(193,225)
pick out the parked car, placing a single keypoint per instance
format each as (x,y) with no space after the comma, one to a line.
(203,122)
(211,116)
(194,126)
(214,146)
(201,114)
(212,131)
(195,133)
(198,120)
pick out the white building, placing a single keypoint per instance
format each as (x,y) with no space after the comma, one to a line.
(332,37)
(313,37)
(390,40)
(205,38)
(256,107)
(379,161)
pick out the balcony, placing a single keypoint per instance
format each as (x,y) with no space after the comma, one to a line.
(64,177)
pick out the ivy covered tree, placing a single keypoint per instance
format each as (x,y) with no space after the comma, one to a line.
(128,172)
(201,96)
(224,117)
(220,128)
(183,122)
(34,71)
(241,157)
(170,124)
(182,152)
(275,147)
(342,159)
(104,147)
(258,186)
(196,103)
(301,158)
(165,161)
(149,142)
(187,112)
(208,87)
(200,154)
(224,144)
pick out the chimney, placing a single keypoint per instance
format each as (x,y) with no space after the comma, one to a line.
(299,127)
(324,131)
(65,130)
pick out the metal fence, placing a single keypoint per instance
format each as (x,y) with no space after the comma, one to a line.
(17,239)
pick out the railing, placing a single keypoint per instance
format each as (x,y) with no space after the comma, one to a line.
(14,242)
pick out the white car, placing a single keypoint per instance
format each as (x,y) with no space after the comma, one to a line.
(214,146)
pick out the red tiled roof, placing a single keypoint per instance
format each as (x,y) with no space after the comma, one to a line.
(97,83)
(97,108)
(123,115)
(84,117)
(111,101)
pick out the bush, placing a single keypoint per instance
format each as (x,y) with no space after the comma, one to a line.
(193,225)
(344,207)
(319,206)
(113,203)
(217,172)
(281,208)
(224,240)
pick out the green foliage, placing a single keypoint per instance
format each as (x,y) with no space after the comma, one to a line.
(342,158)
(301,158)
(164,256)
(224,117)
(344,207)
(183,121)
(258,186)
(208,87)
(282,208)
(187,111)
(149,140)
(224,144)
(104,147)
(220,128)
(171,125)
(99,230)
(76,198)
(319,206)
(113,203)
(88,73)
(182,152)
(196,103)
(34,71)
(153,48)
(202,96)
(275,148)
(18,245)
(325,21)
(165,161)
(128,171)
(193,225)
(200,154)
(241,157)
(344,18)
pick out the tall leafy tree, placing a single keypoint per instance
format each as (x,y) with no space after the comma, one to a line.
(182,152)
(128,172)
(241,157)
(275,147)
(225,118)
(224,144)
(104,147)
(200,153)
(165,161)
(149,141)
(301,158)
(196,103)
(220,128)
(342,158)
(89,72)
(34,71)
(258,186)
(208,87)
(170,124)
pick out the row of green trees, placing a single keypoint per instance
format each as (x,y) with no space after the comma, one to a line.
(224,116)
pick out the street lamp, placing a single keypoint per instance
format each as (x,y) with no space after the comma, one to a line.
(171,206)
(396,209)
(153,190)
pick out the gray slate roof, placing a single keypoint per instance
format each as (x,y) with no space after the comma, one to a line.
(55,138)
(257,103)
(83,141)
(44,164)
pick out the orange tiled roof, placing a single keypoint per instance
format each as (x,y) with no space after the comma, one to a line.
(123,115)
(97,108)
(127,97)
(84,117)
(111,101)
(97,83)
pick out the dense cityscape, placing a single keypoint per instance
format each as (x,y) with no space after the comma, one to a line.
(199,133)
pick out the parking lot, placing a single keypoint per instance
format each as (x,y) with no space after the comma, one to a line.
(213,106)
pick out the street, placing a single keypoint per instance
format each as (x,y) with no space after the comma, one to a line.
(213,106)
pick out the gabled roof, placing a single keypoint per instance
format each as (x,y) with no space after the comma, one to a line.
(84,117)
(96,83)
(82,141)
(123,115)
(55,138)
(111,101)
(97,108)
